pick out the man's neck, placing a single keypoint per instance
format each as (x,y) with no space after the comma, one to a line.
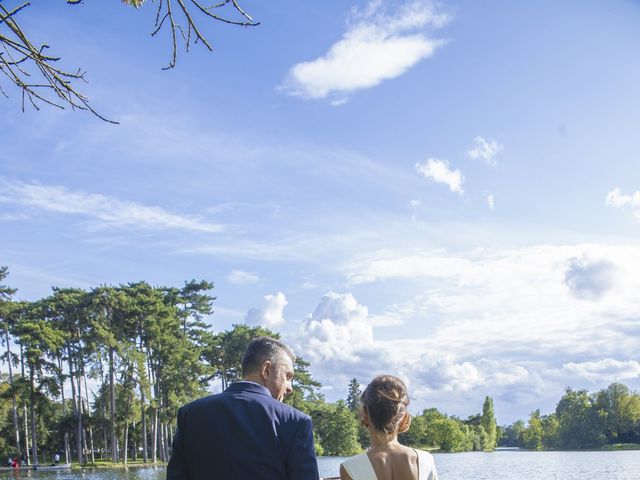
(253,379)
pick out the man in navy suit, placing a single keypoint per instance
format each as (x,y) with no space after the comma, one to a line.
(246,432)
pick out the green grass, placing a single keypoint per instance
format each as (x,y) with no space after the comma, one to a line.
(623,446)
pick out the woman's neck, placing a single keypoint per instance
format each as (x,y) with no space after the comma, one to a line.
(380,440)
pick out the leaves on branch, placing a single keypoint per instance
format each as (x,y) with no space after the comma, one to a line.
(40,79)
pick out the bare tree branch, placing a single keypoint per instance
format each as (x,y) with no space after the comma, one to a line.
(177,17)
(20,60)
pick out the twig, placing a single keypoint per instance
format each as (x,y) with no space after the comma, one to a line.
(19,53)
(56,80)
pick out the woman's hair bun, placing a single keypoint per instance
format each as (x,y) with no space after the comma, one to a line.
(385,401)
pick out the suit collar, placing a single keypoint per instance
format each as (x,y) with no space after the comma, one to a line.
(245,386)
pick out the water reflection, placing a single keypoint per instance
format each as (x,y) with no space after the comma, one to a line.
(521,465)
(131,473)
(502,465)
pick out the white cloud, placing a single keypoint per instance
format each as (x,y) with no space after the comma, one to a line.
(379,44)
(616,199)
(491,201)
(485,150)
(11,217)
(424,264)
(414,203)
(501,322)
(240,277)
(497,302)
(337,330)
(446,375)
(106,210)
(588,278)
(605,370)
(271,312)
(388,319)
(439,172)
(341,308)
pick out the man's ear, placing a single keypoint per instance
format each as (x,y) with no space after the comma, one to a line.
(265,368)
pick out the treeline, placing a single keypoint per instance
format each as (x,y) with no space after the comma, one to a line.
(434,430)
(430,430)
(581,420)
(100,373)
(142,351)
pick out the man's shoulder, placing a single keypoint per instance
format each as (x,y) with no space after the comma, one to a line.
(292,412)
(201,402)
(297,413)
(282,410)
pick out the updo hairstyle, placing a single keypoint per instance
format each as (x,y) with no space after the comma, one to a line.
(385,401)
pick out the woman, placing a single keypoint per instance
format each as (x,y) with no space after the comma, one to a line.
(384,413)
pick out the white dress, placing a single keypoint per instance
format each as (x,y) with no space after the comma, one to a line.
(360,468)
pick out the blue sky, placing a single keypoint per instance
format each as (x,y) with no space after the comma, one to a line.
(444,191)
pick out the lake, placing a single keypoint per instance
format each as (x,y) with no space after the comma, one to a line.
(523,465)
(500,465)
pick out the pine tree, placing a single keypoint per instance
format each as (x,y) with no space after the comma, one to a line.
(5,309)
(353,397)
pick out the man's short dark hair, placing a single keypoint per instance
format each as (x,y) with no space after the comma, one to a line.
(262,349)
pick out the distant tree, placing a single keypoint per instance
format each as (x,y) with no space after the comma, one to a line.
(469,435)
(416,436)
(336,428)
(474,420)
(579,424)
(305,388)
(353,397)
(550,427)
(450,435)
(6,323)
(512,434)
(39,78)
(353,403)
(446,433)
(532,436)
(488,423)
(619,409)
(40,340)
(225,353)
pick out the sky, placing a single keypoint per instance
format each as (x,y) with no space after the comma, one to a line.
(448,192)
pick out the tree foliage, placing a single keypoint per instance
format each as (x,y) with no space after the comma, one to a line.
(488,422)
(336,427)
(130,355)
(143,347)
(353,396)
(581,420)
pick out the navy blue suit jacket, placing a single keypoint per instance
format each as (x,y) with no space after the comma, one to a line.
(242,434)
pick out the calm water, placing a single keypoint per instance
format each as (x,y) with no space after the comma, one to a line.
(517,465)
(501,465)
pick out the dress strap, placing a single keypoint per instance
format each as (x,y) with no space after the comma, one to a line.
(426,467)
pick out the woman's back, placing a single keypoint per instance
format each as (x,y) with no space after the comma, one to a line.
(384,414)
(395,462)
